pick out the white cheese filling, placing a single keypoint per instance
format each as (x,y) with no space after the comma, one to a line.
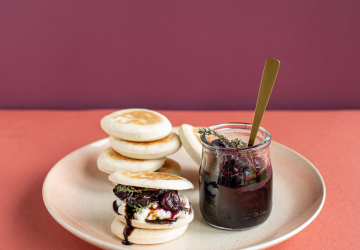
(155,212)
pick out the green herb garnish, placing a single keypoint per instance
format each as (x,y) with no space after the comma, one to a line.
(130,189)
(186,210)
(238,143)
(138,207)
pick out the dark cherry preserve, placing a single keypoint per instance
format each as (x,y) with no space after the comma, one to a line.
(235,188)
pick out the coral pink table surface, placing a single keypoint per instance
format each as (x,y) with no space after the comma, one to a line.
(31,142)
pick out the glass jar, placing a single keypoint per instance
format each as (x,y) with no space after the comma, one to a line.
(236,183)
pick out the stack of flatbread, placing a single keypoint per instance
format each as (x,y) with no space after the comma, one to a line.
(140,140)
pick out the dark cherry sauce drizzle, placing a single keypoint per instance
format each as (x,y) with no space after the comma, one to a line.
(115,207)
(128,228)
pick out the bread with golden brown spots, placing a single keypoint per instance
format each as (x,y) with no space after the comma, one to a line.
(110,161)
(150,180)
(136,125)
(147,150)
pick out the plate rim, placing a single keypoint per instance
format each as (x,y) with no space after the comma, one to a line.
(102,244)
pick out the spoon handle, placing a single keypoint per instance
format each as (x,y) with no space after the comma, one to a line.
(271,69)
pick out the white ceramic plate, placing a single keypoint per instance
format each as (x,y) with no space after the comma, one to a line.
(80,198)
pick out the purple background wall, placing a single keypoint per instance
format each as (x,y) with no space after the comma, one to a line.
(80,54)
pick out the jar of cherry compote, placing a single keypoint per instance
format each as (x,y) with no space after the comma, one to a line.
(235,180)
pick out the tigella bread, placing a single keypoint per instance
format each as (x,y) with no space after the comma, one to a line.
(150,180)
(136,125)
(190,139)
(170,167)
(110,161)
(145,236)
(147,150)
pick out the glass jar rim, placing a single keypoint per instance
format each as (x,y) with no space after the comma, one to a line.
(265,143)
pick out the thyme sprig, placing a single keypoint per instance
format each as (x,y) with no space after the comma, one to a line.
(139,208)
(186,210)
(129,189)
(238,143)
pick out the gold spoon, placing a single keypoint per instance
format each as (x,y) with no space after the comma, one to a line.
(271,69)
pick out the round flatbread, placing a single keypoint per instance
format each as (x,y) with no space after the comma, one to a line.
(136,125)
(147,150)
(170,167)
(142,224)
(190,139)
(147,236)
(150,180)
(110,161)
